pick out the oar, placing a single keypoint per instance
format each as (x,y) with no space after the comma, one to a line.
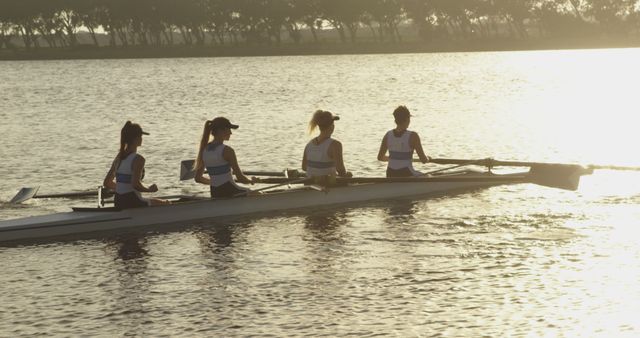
(24,194)
(612,167)
(187,171)
(565,177)
(489,162)
(447,168)
(282,182)
(549,177)
(558,175)
(524,177)
(27,193)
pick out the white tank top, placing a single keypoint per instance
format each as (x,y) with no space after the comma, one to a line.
(218,168)
(318,161)
(400,151)
(124,175)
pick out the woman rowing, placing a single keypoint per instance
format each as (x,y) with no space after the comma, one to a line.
(219,160)
(127,170)
(322,158)
(401,143)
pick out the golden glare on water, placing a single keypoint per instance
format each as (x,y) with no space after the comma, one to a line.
(586,107)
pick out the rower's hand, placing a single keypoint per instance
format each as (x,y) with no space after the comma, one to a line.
(255,179)
(347,174)
(244,179)
(153,188)
(428,159)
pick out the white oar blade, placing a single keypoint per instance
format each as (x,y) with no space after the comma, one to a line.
(24,194)
(186,170)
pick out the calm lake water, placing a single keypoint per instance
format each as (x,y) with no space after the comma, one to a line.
(520,260)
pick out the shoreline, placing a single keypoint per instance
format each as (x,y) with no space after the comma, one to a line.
(309,48)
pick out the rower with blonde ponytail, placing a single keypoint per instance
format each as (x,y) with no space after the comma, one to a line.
(127,170)
(322,157)
(219,160)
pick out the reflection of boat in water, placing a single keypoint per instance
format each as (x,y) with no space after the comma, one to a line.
(349,190)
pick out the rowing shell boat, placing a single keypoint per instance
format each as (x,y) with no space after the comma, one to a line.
(90,220)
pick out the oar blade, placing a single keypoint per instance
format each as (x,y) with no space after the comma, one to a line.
(24,194)
(561,176)
(187,171)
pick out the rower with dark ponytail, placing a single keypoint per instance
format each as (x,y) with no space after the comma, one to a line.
(206,135)
(125,139)
(219,160)
(127,170)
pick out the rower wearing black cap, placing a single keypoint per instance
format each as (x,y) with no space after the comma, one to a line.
(128,170)
(322,156)
(219,160)
(401,143)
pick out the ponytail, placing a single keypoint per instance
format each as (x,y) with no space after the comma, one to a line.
(124,144)
(322,119)
(313,123)
(125,139)
(206,134)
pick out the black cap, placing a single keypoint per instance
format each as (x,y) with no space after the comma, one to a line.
(325,118)
(222,123)
(130,131)
(137,130)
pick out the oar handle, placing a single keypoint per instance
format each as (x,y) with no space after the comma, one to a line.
(290,173)
(264,173)
(281,182)
(456,161)
(187,171)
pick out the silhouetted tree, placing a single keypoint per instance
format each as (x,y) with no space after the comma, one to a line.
(308,12)
(197,22)
(6,25)
(388,14)
(610,14)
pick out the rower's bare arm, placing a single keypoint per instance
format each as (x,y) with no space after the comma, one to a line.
(337,156)
(230,156)
(304,161)
(136,177)
(382,154)
(109,180)
(200,177)
(417,145)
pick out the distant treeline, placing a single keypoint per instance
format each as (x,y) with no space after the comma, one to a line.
(57,23)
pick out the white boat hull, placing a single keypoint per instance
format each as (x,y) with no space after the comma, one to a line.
(80,222)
